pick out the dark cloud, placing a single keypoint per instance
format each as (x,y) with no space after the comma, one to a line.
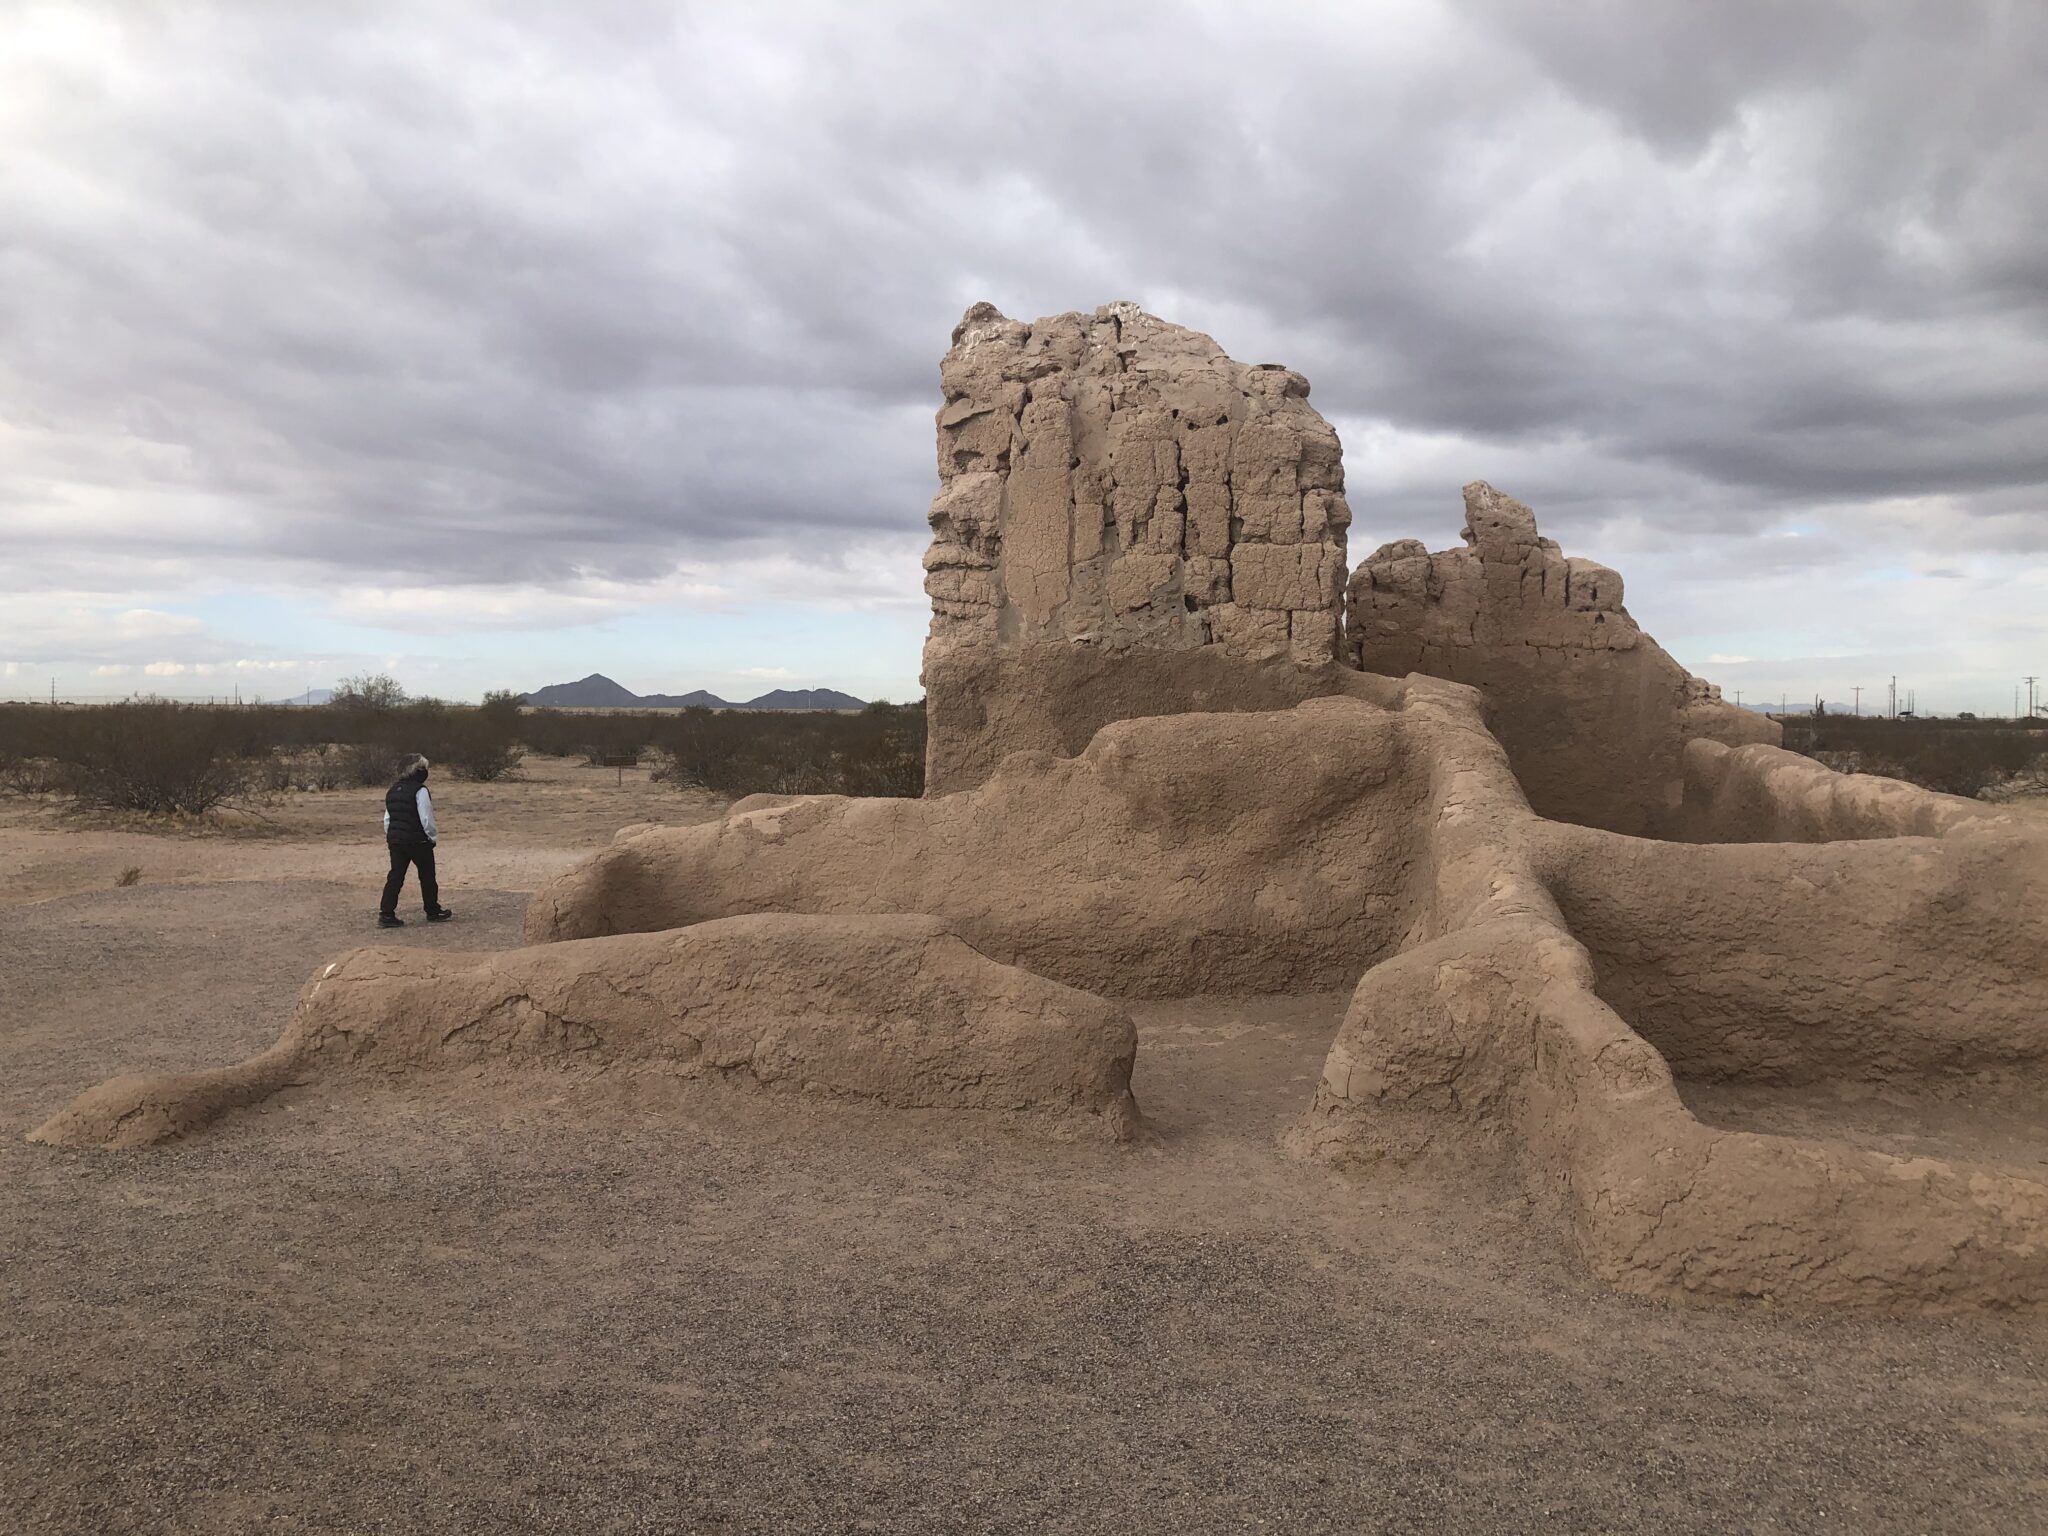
(455,293)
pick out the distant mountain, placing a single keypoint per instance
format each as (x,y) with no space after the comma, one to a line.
(599,692)
(311,696)
(805,698)
(593,692)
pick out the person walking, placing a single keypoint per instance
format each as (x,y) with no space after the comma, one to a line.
(410,834)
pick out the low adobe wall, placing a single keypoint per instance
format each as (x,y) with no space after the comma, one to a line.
(1241,852)
(898,1010)
(1764,794)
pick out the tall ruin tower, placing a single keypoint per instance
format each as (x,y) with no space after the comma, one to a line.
(1113,486)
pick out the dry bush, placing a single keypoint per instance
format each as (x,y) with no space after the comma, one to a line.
(371,764)
(320,768)
(879,751)
(477,748)
(148,754)
(275,772)
(593,737)
(151,756)
(1954,756)
(31,776)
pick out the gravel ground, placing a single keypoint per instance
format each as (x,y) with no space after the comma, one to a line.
(706,1309)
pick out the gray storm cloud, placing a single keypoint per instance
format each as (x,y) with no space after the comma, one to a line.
(462,294)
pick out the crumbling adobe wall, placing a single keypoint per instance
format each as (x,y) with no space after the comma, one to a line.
(1241,852)
(1565,981)
(1877,961)
(895,1009)
(1113,485)
(1595,715)
(1764,794)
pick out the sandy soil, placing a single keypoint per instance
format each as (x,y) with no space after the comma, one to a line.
(713,1310)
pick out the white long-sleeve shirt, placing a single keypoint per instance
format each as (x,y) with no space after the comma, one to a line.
(426,805)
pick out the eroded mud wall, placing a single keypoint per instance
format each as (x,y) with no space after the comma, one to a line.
(1114,486)
(1875,961)
(1594,714)
(1239,852)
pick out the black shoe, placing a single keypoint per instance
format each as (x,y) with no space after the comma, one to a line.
(385,920)
(439,915)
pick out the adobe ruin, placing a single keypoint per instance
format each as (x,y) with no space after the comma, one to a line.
(1128,522)
(1598,927)
(1561,664)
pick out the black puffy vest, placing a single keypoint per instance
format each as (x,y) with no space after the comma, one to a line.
(402,800)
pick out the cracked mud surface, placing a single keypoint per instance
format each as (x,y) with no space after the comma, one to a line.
(709,1309)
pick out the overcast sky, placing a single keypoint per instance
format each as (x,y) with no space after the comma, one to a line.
(497,344)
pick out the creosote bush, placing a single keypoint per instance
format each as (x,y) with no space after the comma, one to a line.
(165,758)
(878,751)
(148,755)
(1955,756)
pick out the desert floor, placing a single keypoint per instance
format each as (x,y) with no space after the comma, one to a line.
(713,1310)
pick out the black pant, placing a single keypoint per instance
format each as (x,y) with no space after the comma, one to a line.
(421,857)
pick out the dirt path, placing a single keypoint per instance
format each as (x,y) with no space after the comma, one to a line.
(710,1310)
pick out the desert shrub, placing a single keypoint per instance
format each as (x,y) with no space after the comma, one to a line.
(320,767)
(502,705)
(275,772)
(364,738)
(475,744)
(879,751)
(29,732)
(593,735)
(371,691)
(1955,756)
(153,756)
(371,764)
(485,761)
(31,776)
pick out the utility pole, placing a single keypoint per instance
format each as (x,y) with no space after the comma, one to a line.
(1738,698)
(1892,706)
(2030,679)
(1858,691)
